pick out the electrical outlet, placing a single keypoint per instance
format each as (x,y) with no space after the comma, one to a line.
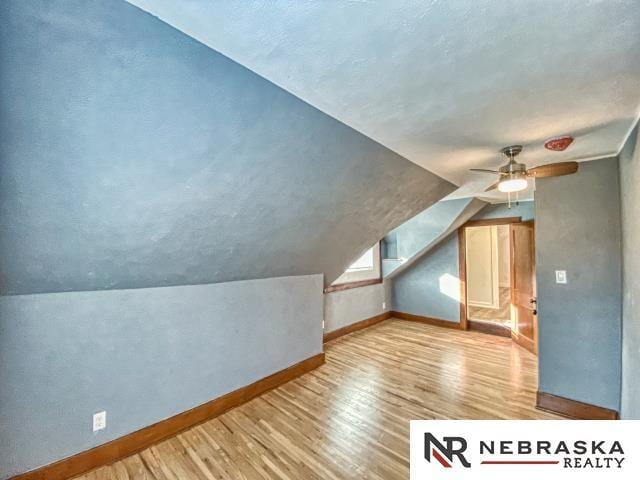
(384,305)
(561,276)
(99,421)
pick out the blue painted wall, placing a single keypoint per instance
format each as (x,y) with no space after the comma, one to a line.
(578,230)
(420,234)
(346,307)
(142,355)
(630,209)
(134,156)
(139,172)
(526,210)
(429,286)
(417,232)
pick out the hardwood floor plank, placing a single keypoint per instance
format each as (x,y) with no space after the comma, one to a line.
(349,419)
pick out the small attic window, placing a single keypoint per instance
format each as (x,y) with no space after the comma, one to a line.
(366,270)
(364,263)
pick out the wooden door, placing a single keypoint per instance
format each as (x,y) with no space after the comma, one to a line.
(523,286)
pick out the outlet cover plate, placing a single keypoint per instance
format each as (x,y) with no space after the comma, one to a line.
(99,421)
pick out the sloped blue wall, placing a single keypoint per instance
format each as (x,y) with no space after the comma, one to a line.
(134,156)
(141,174)
(420,234)
(414,234)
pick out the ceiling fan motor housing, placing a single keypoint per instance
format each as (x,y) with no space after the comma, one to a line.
(512,167)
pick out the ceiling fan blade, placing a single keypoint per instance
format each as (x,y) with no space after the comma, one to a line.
(483,170)
(492,187)
(553,170)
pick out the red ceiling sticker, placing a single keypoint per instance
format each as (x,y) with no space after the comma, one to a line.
(558,144)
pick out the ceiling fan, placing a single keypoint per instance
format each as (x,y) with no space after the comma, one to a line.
(513,175)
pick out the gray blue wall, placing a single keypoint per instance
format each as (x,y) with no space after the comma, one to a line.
(416,237)
(138,168)
(526,210)
(630,203)
(142,355)
(578,230)
(414,234)
(420,234)
(425,288)
(347,307)
(134,156)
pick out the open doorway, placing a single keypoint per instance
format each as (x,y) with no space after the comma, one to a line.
(489,278)
(497,272)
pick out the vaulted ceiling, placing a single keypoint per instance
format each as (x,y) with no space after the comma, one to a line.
(133,156)
(445,84)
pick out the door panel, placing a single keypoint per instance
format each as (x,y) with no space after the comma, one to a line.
(482,267)
(523,285)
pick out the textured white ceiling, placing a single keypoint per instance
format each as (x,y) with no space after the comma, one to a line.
(444,83)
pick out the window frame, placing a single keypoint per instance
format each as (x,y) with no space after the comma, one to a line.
(350,280)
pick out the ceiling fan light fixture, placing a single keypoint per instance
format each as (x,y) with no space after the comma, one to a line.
(513,177)
(514,182)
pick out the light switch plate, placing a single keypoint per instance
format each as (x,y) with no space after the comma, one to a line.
(561,276)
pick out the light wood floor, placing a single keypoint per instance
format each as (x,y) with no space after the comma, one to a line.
(350,417)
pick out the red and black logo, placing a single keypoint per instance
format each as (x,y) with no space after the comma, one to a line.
(445,453)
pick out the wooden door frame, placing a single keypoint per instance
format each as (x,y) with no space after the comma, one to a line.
(462,259)
(525,342)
